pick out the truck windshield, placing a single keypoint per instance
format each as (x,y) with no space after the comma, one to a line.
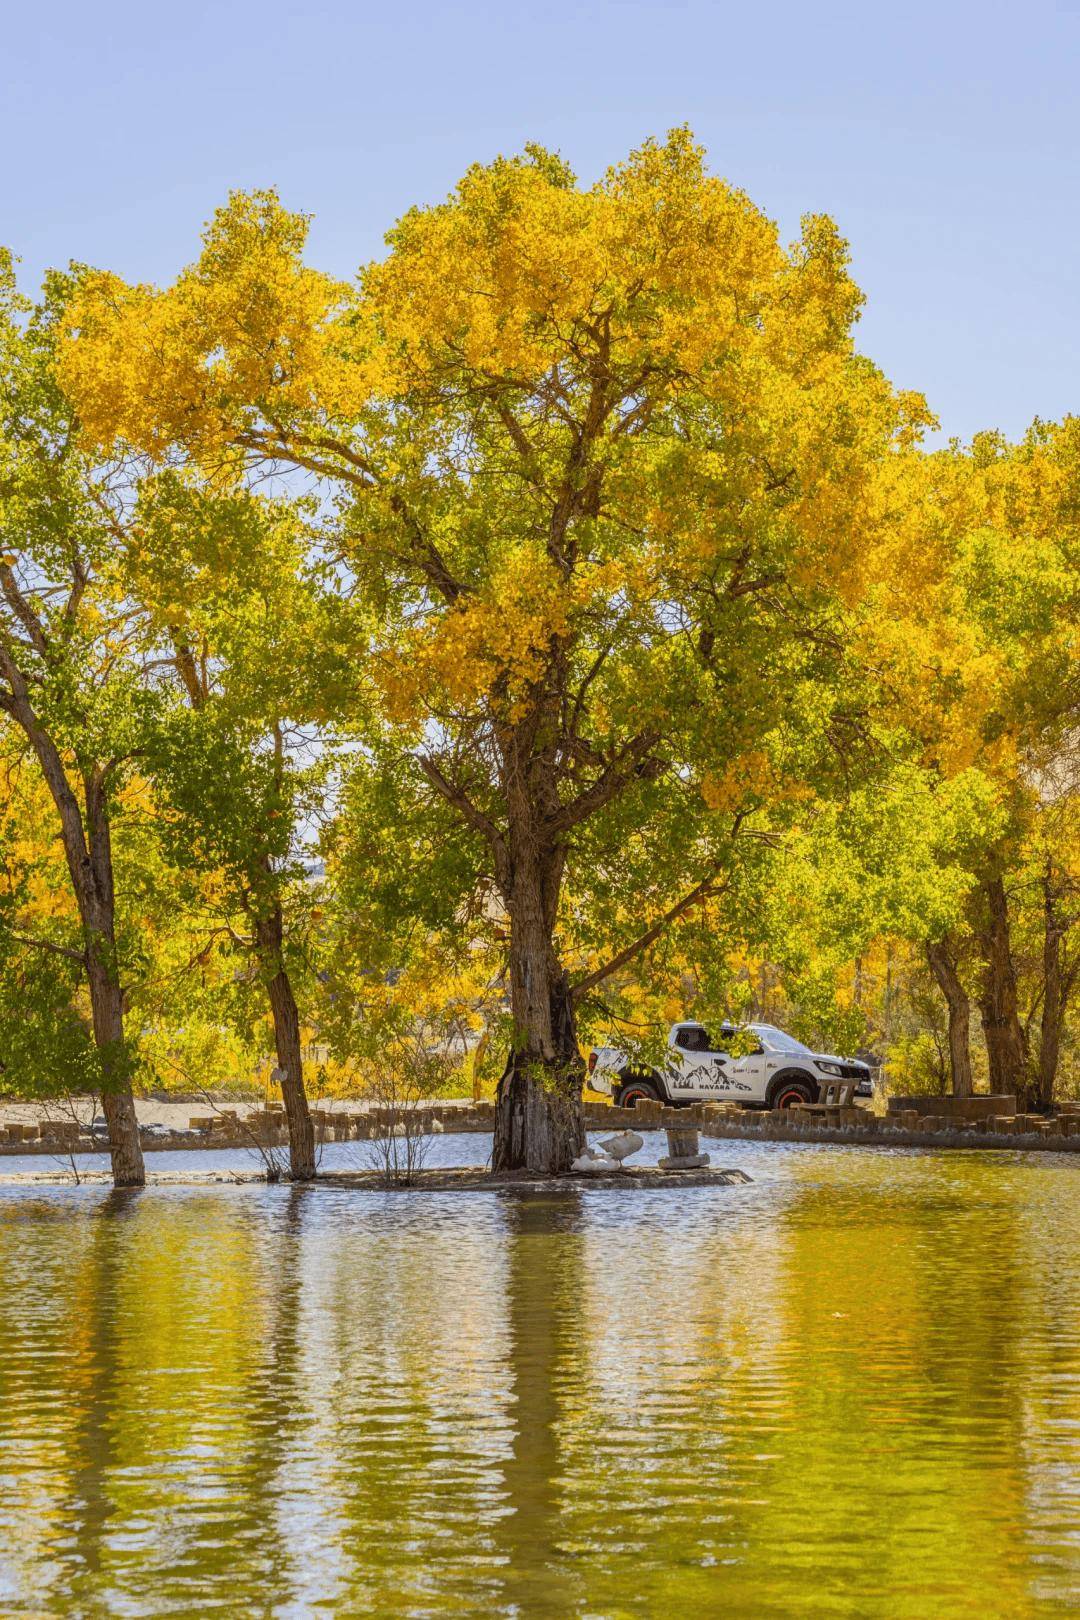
(774,1040)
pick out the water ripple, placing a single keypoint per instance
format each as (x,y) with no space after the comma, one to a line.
(851,1389)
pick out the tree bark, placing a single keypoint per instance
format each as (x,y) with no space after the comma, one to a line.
(1006,1044)
(87,839)
(1056,986)
(539,1121)
(117,1102)
(269,935)
(943,966)
(96,894)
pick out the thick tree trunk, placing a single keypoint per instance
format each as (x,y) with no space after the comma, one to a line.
(117,1103)
(269,935)
(87,842)
(539,1122)
(943,966)
(97,905)
(1054,993)
(1006,1045)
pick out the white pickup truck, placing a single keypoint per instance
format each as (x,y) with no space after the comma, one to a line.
(776,1071)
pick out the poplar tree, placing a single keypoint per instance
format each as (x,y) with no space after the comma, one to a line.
(604,460)
(70,677)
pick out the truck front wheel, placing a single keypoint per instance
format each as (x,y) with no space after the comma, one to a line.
(790,1090)
(634,1090)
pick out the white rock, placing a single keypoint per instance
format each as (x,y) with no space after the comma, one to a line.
(685,1161)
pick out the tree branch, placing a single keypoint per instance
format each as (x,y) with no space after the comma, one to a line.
(22,610)
(747,587)
(515,430)
(631,764)
(427,553)
(183,661)
(262,445)
(308,453)
(78,957)
(456,796)
(702,891)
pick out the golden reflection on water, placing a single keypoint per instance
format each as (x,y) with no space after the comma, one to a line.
(852,1389)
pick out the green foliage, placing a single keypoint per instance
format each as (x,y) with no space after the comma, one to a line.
(575,533)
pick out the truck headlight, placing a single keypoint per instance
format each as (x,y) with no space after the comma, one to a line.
(829,1068)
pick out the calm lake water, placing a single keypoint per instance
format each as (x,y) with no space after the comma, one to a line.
(851,1389)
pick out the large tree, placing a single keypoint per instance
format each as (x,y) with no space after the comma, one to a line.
(70,674)
(972,613)
(247,646)
(605,458)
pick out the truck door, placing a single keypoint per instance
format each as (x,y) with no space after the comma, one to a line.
(697,1070)
(717,1073)
(744,1078)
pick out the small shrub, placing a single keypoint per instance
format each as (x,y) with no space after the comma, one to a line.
(401,1083)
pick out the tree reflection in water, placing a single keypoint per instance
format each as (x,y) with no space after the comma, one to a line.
(852,1389)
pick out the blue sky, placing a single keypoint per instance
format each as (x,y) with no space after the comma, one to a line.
(944,139)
